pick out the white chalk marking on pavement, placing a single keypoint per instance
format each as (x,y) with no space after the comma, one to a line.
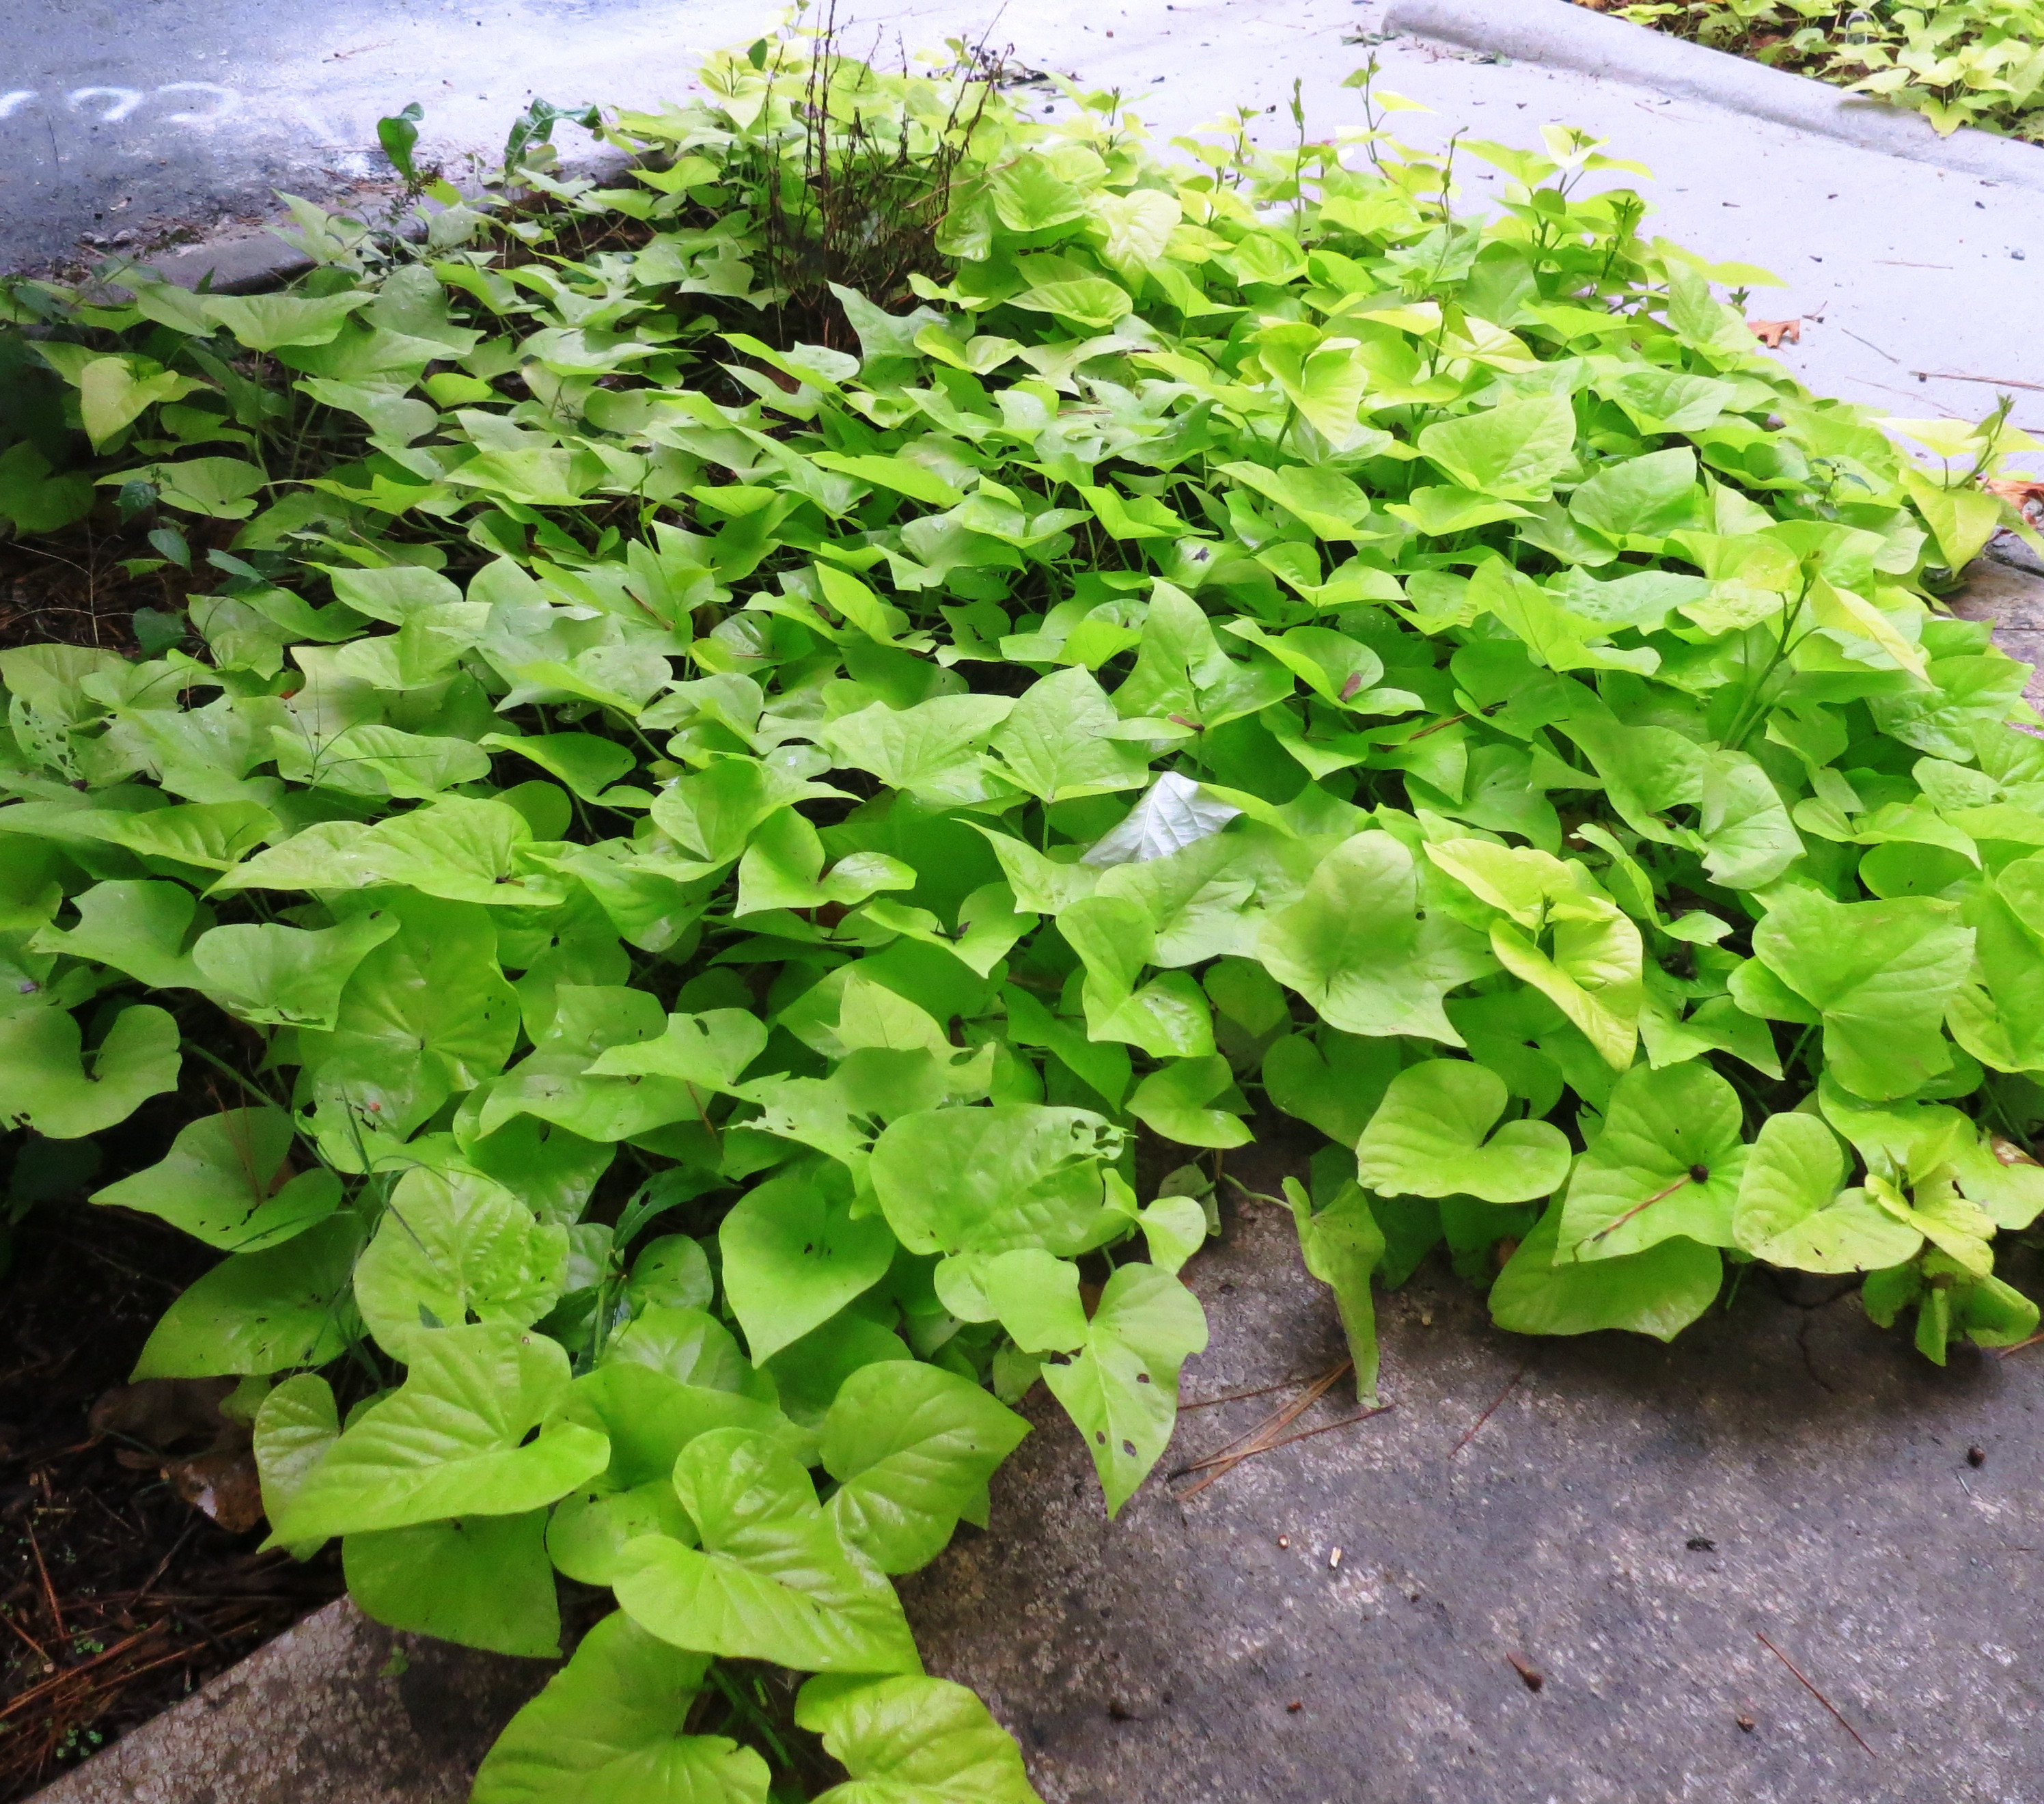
(125,100)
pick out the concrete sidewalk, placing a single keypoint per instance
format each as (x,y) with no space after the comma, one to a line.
(186,108)
(1352,1619)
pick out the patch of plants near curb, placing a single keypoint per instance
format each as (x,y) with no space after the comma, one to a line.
(699,822)
(1977,63)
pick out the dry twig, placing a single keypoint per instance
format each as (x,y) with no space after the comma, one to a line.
(1475,1426)
(1812,1690)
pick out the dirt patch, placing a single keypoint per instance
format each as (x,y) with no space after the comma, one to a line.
(117,1596)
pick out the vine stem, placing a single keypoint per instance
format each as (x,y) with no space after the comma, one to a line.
(219,1064)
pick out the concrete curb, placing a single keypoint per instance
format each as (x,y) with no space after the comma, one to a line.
(1568,36)
(337,1710)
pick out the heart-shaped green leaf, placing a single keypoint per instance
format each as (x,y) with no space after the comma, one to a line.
(1794,1210)
(911,1740)
(1667,1161)
(911,1447)
(1427,1139)
(772,1579)
(608,1727)
(454,1438)
(224,1181)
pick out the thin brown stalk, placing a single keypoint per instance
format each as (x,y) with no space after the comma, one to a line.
(1258,1439)
(1476,1427)
(49,1590)
(1990,382)
(1638,1208)
(1238,1396)
(35,1691)
(1813,1691)
(42,1652)
(1286,1440)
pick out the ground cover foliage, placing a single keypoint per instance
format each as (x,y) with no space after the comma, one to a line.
(1978,63)
(693,825)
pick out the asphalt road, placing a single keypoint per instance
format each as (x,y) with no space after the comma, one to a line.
(126,116)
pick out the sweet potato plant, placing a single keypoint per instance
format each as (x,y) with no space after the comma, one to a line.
(702,813)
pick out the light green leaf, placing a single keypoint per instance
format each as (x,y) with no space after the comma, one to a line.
(1355,946)
(929,749)
(1880,974)
(138,928)
(1135,227)
(772,1579)
(433,995)
(783,867)
(1427,1139)
(1669,1160)
(296,1422)
(1960,1229)
(1513,450)
(911,1447)
(1336,1084)
(1122,1390)
(272,322)
(985,1180)
(262,1312)
(1031,1293)
(649,1417)
(481,1581)
(1325,379)
(1341,1246)
(112,396)
(709,1050)
(226,1181)
(1324,499)
(1794,1210)
(1658,1292)
(1173,1101)
(1167,1017)
(1647,496)
(901,475)
(794,1254)
(218,487)
(457,1249)
(1029,195)
(587,762)
(287,976)
(1174,1227)
(211,835)
(462,851)
(48,1083)
(608,1729)
(911,1740)
(1748,839)
(1055,741)
(455,1439)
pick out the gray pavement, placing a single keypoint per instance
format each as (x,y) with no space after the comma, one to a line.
(1627,1523)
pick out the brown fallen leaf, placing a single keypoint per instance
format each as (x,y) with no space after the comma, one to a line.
(2026,495)
(1533,1678)
(161,1412)
(224,1485)
(1775,333)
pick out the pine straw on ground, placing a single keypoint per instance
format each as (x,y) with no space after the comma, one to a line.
(117,1596)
